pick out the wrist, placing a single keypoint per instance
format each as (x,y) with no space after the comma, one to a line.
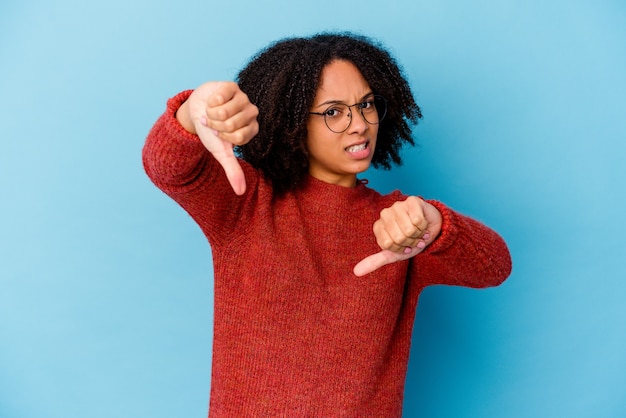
(182,116)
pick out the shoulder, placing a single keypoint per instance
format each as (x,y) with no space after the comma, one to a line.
(380,198)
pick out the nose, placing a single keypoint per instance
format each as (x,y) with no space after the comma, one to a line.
(358,123)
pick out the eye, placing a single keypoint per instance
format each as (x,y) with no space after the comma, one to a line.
(333,112)
(367,105)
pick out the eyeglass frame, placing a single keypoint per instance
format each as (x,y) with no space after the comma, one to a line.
(373,96)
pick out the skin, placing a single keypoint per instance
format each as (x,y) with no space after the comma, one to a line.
(329,158)
(222,116)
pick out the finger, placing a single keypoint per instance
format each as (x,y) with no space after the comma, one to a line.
(243,126)
(241,136)
(416,232)
(388,233)
(385,240)
(370,264)
(222,105)
(415,212)
(393,233)
(222,151)
(222,92)
(410,218)
(223,111)
(233,170)
(375,261)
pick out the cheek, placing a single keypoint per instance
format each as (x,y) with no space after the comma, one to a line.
(313,129)
(311,132)
(375,136)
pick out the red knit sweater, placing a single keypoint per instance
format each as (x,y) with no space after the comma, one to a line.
(295,332)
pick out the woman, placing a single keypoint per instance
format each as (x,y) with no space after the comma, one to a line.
(317,276)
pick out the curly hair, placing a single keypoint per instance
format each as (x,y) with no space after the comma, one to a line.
(282,81)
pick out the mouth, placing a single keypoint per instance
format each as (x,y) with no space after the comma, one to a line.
(358,147)
(361,151)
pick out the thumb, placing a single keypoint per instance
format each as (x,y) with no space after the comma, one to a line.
(370,263)
(224,155)
(226,158)
(382,258)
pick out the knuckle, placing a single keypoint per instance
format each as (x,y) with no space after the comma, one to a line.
(238,138)
(417,220)
(409,230)
(413,200)
(229,126)
(386,243)
(377,228)
(399,237)
(386,213)
(209,122)
(222,115)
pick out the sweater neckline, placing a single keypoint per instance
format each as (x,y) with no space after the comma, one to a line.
(319,194)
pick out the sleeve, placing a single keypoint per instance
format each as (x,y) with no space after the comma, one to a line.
(178,163)
(466,253)
(172,157)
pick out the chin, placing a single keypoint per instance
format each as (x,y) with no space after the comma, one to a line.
(362,168)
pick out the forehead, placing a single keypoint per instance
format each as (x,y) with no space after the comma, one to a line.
(341,80)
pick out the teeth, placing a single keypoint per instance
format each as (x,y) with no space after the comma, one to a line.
(357,148)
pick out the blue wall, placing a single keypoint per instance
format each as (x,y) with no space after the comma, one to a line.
(105,284)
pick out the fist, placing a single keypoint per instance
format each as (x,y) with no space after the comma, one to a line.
(403,230)
(407,224)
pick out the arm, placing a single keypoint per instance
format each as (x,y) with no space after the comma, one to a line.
(403,230)
(222,117)
(174,159)
(177,160)
(218,116)
(467,253)
(453,248)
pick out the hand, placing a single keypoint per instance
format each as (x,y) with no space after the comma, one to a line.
(222,116)
(402,231)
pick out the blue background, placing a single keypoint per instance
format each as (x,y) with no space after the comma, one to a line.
(105,287)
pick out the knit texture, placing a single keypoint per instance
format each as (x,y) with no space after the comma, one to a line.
(295,332)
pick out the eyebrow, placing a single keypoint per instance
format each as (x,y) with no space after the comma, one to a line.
(332,102)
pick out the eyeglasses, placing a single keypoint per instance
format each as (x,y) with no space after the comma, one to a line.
(338,116)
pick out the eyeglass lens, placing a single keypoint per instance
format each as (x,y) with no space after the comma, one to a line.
(339,116)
